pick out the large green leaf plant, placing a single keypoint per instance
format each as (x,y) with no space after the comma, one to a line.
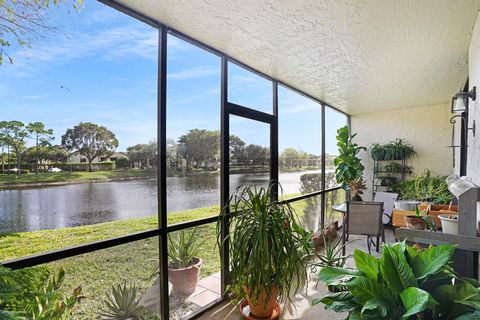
(404,283)
(348,167)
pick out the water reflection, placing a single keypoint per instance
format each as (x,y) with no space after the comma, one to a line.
(83,204)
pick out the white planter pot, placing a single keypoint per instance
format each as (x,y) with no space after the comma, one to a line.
(449,225)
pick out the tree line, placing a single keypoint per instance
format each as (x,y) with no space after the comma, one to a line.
(198,148)
(89,139)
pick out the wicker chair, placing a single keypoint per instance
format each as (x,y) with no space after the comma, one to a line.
(364,218)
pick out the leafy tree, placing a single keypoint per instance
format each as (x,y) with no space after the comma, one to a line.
(199,146)
(256,154)
(290,157)
(56,153)
(14,135)
(172,154)
(45,154)
(42,136)
(143,153)
(90,140)
(237,149)
(23,20)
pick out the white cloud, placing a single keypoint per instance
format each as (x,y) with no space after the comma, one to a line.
(119,42)
(193,73)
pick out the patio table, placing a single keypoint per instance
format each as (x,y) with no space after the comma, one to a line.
(340,207)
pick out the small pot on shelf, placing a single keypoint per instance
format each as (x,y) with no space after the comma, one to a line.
(414,222)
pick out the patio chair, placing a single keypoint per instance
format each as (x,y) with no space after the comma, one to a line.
(364,218)
(388,199)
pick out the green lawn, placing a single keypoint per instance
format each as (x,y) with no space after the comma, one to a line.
(64,176)
(134,262)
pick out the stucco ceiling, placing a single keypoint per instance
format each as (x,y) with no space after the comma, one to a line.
(357,55)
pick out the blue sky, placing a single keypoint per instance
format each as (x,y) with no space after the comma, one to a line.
(102,67)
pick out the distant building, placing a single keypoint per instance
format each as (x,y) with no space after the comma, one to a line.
(76,157)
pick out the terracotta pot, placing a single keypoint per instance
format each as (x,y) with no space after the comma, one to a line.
(414,222)
(184,280)
(330,233)
(246,313)
(262,309)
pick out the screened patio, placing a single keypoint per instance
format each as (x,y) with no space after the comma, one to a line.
(266,85)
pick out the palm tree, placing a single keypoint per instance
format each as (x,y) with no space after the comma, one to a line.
(42,135)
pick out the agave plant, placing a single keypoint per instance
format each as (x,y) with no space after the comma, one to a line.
(404,283)
(333,253)
(122,303)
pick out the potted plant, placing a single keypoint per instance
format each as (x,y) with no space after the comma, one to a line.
(420,220)
(348,167)
(425,188)
(269,251)
(184,264)
(404,283)
(449,223)
(377,151)
(356,188)
(332,256)
(398,150)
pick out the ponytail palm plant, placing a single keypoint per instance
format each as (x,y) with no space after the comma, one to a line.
(268,248)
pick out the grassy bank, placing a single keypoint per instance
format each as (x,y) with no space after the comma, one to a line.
(96,272)
(134,262)
(64,176)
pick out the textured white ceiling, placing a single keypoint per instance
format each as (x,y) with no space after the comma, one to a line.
(357,55)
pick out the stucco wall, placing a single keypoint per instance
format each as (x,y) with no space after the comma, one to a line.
(473,158)
(427,128)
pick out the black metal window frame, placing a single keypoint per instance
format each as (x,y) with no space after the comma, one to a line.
(227,109)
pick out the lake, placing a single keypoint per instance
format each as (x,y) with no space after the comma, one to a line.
(82,204)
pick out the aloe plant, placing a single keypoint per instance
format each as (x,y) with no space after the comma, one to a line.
(332,255)
(404,283)
(122,303)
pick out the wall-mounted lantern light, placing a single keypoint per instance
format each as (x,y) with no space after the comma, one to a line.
(460,100)
(460,110)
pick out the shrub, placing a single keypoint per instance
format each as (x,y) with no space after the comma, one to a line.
(404,283)
(122,163)
(35,294)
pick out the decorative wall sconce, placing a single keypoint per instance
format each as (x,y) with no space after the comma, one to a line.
(460,100)
(460,110)
(460,107)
